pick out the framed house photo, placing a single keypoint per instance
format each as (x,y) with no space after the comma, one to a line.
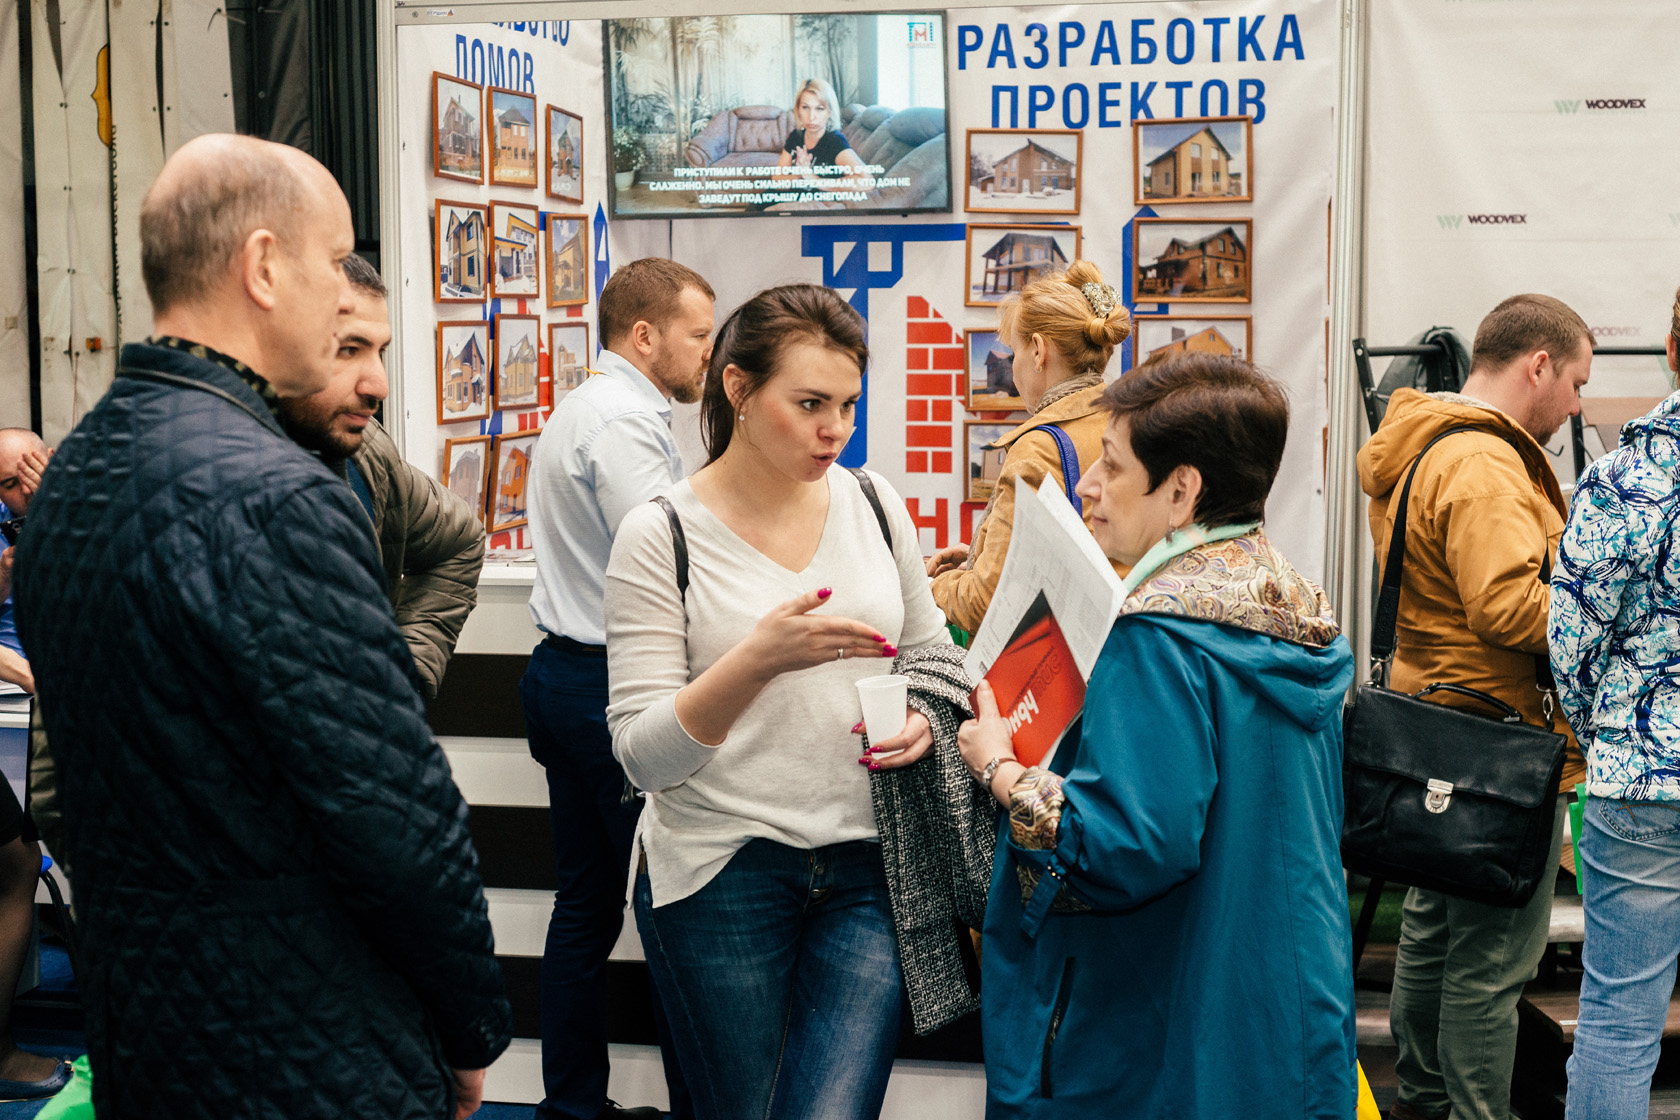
(991,373)
(1156,336)
(565,155)
(1006,258)
(1193,159)
(463,371)
(457,129)
(511,456)
(567,259)
(459,252)
(513,137)
(1191,261)
(1023,170)
(517,338)
(985,462)
(466,470)
(513,250)
(568,358)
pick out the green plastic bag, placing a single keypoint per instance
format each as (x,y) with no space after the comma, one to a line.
(75,1100)
(1576,805)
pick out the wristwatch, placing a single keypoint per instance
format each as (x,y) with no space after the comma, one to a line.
(989,771)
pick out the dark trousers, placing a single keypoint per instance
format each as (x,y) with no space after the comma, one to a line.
(564,696)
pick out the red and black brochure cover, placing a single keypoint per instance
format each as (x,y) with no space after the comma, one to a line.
(1037,685)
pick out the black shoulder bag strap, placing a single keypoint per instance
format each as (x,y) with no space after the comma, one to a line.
(868,488)
(1383,636)
(679,541)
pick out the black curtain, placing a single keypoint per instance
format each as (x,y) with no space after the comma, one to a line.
(304,73)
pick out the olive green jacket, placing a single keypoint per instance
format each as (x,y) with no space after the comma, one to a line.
(432,545)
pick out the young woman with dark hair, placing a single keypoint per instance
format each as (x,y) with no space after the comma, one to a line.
(1173,877)
(761,894)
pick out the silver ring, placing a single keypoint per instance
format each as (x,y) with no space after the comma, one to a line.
(840,654)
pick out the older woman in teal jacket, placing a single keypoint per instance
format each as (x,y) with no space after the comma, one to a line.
(1168,933)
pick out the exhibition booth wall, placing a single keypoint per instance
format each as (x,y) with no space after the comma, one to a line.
(1382,169)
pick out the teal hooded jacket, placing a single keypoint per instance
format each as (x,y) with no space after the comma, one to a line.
(1196,959)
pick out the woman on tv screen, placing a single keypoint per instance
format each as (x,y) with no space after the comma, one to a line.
(818,141)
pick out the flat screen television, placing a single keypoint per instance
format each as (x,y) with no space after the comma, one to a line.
(726,116)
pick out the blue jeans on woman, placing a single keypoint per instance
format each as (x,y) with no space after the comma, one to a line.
(1631,850)
(780,978)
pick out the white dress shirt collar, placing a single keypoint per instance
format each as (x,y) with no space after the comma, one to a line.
(616,365)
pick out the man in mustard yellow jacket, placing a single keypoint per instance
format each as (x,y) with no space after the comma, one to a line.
(1484,516)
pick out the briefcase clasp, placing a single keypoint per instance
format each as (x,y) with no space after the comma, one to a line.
(1438,796)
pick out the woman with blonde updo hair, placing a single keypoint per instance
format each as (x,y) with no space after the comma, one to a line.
(1063,328)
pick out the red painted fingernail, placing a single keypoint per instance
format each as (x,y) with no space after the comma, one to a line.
(880,637)
(865,762)
(856,727)
(874,766)
(890,651)
(825,592)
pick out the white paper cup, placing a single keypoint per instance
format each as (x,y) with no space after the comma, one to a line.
(885,705)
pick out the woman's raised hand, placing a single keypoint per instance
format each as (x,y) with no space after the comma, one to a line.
(791,638)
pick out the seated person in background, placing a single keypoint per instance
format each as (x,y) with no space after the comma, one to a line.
(1173,878)
(23,456)
(818,141)
(23,1076)
(431,543)
(1063,328)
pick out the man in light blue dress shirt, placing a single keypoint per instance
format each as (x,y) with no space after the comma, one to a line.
(606,449)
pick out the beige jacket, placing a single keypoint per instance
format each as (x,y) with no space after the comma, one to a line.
(965,593)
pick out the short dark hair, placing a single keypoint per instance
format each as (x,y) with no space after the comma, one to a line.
(1526,323)
(363,276)
(645,290)
(754,337)
(1215,413)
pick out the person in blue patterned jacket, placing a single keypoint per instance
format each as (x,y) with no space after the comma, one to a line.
(1615,641)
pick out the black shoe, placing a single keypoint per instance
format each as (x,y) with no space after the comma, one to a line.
(615,1111)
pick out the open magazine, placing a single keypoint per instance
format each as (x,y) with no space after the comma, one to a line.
(1037,686)
(1056,599)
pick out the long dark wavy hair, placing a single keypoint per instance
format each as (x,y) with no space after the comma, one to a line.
(753,338)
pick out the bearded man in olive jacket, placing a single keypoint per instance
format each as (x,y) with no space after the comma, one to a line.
(431,542)
(280,908)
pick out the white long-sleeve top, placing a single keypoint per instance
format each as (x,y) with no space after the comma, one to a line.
(788,769)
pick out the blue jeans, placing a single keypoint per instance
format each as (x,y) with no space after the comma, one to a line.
(564,695)
(1632,854)
(781,979)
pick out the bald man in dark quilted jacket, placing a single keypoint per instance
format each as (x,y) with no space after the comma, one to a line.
(280,909)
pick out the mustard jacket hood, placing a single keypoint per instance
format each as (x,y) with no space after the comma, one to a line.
(1415,418)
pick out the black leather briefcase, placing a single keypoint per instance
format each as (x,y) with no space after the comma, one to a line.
(1439,797)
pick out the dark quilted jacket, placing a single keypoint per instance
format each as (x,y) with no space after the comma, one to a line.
(280,907)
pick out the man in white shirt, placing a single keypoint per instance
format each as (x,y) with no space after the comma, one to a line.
(606,449)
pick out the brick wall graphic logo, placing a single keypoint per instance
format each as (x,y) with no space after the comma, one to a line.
(932,387)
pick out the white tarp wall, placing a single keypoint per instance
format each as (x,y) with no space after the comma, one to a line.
(103,128)
(1094,68)
(1524,149)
